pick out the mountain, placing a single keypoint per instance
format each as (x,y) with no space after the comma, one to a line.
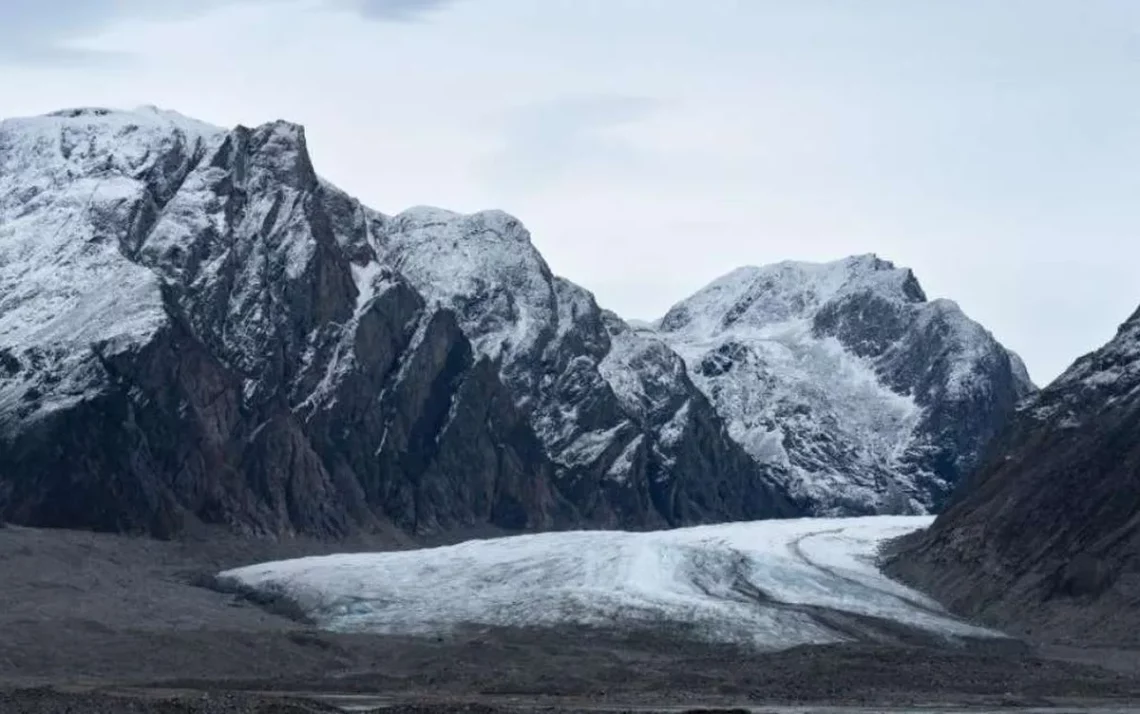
(863,394)
(195,327)
(1046,534)
(631,438)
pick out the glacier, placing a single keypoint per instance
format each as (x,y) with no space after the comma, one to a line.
(769,584)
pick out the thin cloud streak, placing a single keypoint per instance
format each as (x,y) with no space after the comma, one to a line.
(399,10)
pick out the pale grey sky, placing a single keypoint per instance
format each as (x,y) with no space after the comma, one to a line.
(652,145)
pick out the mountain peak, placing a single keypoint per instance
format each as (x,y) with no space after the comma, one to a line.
(1114,368)
(789,290)
(843,373)
(490,224)
(116,120)
(102,145)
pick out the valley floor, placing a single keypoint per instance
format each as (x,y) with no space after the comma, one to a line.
(96,623)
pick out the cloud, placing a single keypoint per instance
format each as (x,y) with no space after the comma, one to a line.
(39,32)
(397,10)
(543,141)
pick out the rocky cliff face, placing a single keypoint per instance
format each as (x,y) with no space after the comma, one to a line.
(183,335)
(193,325)
(865,396)
(1045,535)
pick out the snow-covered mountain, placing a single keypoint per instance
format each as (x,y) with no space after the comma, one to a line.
(195,326)
(772,585)
(868,396)
(616,413)
(183,337)
(840,380)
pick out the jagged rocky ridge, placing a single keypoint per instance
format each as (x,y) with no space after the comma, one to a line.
(1045,535)
(195,327)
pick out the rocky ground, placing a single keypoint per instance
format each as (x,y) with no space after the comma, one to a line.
(98,623)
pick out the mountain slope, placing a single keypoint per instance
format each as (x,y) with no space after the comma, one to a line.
(870,398)
(570,366)
(182,337)
(1046,534)
(195,326)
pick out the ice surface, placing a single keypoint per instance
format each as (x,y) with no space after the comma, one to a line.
(743,582)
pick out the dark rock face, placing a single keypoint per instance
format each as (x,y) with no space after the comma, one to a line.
(1046,533)
(195,327)
(694,470)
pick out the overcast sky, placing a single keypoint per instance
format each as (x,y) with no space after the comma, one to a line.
(652,145)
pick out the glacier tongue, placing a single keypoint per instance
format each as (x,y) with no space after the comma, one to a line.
(758,583)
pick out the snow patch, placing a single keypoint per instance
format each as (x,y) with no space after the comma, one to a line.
(622,466)
(368,286)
